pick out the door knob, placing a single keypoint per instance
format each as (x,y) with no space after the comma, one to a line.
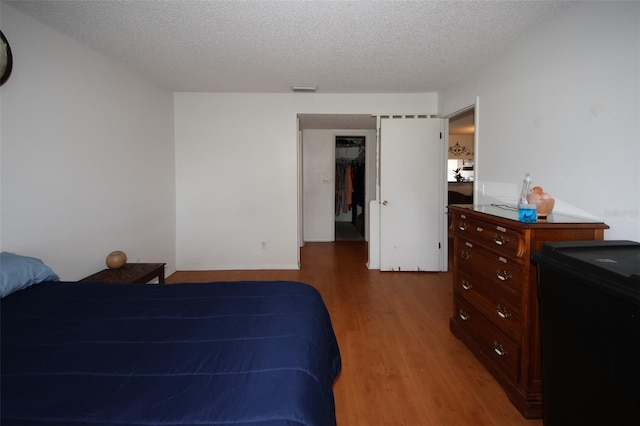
(385,203)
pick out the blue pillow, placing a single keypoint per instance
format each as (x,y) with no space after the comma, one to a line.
(18,272)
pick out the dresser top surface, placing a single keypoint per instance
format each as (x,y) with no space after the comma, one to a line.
(510,212)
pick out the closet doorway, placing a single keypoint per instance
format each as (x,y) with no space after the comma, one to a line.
(350,210)
(318,134)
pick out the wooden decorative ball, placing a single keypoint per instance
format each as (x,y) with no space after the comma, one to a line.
(116,259)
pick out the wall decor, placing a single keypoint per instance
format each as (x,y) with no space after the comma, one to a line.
(459,150)
(6,59)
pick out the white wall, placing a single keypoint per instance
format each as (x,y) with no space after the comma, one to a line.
(319,186)
(87,161)
(564,104)
(236,172)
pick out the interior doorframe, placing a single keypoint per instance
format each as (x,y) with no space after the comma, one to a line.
(476,115)
(299,188)
(370,165)
(476,132)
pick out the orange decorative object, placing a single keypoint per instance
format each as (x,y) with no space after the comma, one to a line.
(537,189)
(543,201)
(544,206)
(116,259)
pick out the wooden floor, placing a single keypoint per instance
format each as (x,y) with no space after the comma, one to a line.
(401,365)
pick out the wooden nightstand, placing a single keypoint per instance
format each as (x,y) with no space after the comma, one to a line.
(130,273)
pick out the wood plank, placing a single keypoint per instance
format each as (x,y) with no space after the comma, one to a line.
(401,364)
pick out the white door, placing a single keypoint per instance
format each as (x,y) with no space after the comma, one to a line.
(411,194)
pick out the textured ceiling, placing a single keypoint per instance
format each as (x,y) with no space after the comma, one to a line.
(268,46)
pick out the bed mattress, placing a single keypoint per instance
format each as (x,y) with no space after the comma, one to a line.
(240,353)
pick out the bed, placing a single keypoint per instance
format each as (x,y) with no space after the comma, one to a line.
(240,353)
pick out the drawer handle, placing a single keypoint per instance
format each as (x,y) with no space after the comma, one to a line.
(466,284)
(463,226)
(499,349)
(503,275)
(465,255)
(500,239)
(502,311)
(463,315)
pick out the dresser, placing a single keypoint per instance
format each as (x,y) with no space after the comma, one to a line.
(495,296)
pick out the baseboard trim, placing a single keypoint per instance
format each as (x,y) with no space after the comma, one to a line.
(294,267)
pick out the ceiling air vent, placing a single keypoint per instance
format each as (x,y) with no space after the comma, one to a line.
(307,89)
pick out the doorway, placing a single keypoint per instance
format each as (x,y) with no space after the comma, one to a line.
(318,134)
(461,157)
(350,155)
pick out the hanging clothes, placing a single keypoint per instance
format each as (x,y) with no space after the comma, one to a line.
(348,189)
(349,186)
(340,188)
(358,184)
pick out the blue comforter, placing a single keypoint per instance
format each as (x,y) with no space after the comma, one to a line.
(234,353)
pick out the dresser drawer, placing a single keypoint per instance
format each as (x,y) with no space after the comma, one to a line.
(489,299)
(494,344)
(471,281)
(475,259)
(508,241)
